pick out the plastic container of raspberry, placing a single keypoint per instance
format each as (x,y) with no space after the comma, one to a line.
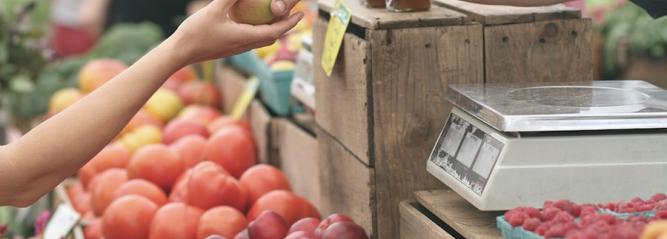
(510,232)
(626,215)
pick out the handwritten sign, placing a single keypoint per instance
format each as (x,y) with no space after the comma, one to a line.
(340,18)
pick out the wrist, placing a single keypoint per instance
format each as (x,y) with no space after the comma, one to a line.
(176,55)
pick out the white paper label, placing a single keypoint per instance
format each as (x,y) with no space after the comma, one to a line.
(488,155)
(64,219)
(469,149)
(453,139)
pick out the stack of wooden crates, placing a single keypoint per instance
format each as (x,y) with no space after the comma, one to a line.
(380,112)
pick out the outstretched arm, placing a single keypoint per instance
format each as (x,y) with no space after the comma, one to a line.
(523,3)
(56,149)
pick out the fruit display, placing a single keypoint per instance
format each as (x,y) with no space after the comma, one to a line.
(182,169)
(565,219)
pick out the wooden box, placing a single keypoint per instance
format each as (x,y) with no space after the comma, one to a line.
(298,158)
(381,109)
(380,112)
(535,44)
(444,214)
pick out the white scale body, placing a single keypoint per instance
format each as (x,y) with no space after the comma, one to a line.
(505,146)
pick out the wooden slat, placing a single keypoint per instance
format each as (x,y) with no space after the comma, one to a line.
(410,78)
(539,52)
(416,225)
(231,84)
(459,214)
(299,160)
(347,184)
(373,18)
(342,99)
(497,15)
(260,123)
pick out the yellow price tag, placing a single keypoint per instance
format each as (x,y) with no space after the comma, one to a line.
(244,100)
(340,18)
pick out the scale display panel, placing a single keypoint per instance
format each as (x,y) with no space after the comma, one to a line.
(466,153)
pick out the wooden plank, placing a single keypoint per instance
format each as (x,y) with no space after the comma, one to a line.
(539,52)
(410,80)
(298,160)
(260,123)
(373,18)
(649,70)
(342,99)
(231,84)
(347,184)
(459,214)
(416,225)
(498,15)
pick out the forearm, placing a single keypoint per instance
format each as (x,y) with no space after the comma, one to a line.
(525,3)
(56,148)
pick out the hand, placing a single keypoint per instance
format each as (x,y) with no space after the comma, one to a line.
(211,34)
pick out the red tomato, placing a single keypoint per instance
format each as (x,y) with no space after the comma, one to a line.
(86,174)
(200,92)
(82,202)
(105,186)
(261,179)
(179,128)
(128,217)
(200,113)
(224,121)
(208,187)
(94,229)
(112,156)
(142,188)
(222,221)
(179,192)
(157,164)
(175,220)
(233,149)
(286,204)
(191,149)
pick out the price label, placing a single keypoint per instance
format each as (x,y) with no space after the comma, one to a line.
(62,222)
(488,155)
(340,18)
(469,149)
(244,100)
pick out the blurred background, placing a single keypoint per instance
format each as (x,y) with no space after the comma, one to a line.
(43,44)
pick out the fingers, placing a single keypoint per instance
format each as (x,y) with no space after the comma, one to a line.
(281,8)
(277,29)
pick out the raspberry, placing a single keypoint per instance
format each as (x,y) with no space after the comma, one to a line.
(557,230)
(542,229)
(658,197)
(531,224)
(548,204)
(549,213)
(662,214)
(515,218)
(565,205)
(563,217)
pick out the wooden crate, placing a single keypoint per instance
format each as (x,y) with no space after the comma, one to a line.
(418,223)
(380,110)
(536,44)
(459,216)
(298,159)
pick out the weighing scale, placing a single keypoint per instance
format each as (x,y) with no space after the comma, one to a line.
(510,145)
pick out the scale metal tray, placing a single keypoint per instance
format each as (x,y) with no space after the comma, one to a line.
(574,106)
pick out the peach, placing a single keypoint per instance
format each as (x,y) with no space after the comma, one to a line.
(344,230)
(200,113)
(200,92)
(97,72)
(179,128)
(191,149)
(157,164)
(63,99)
(164,104)
(253,12)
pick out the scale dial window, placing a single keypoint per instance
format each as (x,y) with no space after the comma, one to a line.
(467,153)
